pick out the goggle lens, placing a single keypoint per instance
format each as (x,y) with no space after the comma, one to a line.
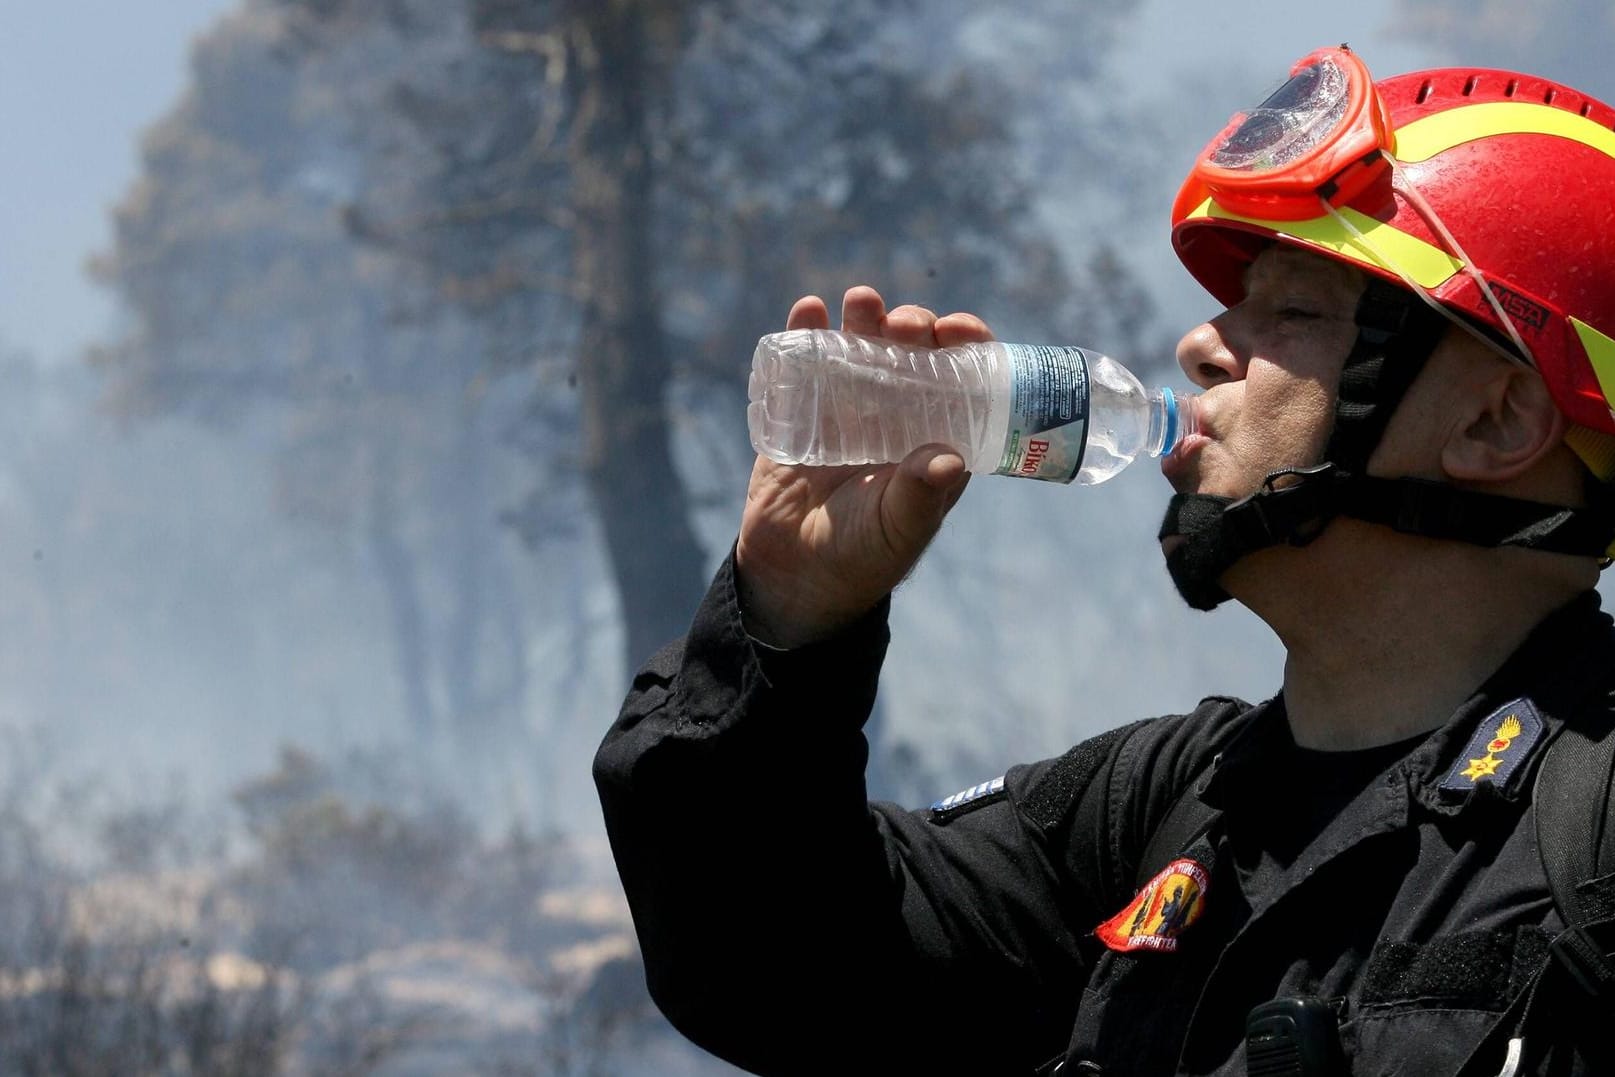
(1296,118)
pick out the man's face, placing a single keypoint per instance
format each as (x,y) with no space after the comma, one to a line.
(1270,368)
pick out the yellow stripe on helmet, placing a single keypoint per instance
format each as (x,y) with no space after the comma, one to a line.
(1601,354)
(1427,264)
(1424,138)
(1596,449)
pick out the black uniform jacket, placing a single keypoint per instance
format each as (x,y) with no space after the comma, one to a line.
(790,926)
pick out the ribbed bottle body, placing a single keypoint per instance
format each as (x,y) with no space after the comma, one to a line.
(824,398)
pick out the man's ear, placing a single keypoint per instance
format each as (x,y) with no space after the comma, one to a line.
(1507,423)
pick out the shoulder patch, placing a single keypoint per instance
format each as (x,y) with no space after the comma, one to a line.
(1498,748)
(975,794)
(1166,907)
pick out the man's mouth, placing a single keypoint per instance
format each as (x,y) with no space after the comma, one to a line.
(1175,464)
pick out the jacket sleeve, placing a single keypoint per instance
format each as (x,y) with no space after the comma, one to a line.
(790,926)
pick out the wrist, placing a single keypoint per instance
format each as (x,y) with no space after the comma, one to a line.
(786,618)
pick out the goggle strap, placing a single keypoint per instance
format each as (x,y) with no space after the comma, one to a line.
(1411,192)
(1415,287)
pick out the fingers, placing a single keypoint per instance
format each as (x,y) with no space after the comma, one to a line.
(862,309)
(911,325)
(809,312)
(954,329)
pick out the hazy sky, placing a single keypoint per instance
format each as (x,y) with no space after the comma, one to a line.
(80,79)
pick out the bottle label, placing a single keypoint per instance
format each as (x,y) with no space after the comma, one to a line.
(1048,420)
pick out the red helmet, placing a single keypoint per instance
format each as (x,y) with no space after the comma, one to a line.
(1521,173)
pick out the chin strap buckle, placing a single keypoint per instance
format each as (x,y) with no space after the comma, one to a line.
(1293,506)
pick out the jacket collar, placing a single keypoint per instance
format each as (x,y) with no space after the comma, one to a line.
(1490,745)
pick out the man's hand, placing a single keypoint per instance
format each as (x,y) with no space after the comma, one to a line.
(820,546)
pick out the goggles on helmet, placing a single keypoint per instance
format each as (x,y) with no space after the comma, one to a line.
(1323,134)
(1320,141)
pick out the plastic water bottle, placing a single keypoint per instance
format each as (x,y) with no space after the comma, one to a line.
(1056,413)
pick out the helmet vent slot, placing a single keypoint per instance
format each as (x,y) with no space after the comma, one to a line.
(1424,92)
(1549,95)
(1513,84)
(1469,86)
(1586,108)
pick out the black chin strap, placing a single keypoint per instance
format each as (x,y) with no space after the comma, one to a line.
(1293,506)
(1202,553)
(1436,510)
(1396,335)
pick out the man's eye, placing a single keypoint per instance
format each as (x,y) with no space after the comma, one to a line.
(1297,313)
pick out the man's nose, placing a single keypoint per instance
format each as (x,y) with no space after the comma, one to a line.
(1207,358)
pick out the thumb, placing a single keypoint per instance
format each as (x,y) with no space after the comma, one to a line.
(924,487)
